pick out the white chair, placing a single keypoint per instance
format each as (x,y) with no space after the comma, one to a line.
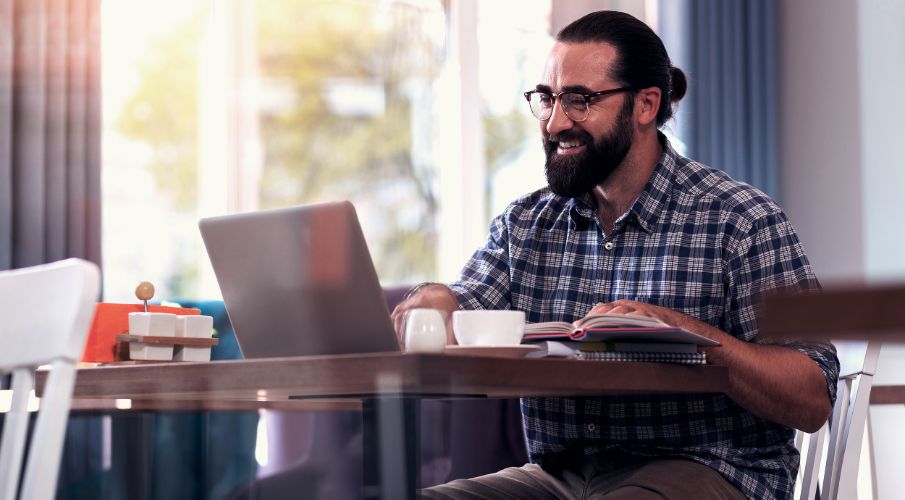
(45,313)
(844,431)
(812,454)
(840,477)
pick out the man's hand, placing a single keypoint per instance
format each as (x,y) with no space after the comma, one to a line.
(631,307)
(431,296)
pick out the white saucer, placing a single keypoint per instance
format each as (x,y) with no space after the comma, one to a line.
(503,351)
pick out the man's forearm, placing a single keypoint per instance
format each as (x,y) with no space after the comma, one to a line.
(773,382)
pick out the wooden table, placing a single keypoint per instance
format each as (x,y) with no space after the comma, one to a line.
(386,386)
(888,395)
(872,313)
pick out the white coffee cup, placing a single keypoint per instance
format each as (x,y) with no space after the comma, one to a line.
(489,328)
(425,330)
(152,323)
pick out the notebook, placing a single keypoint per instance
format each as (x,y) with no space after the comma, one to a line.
(684,358)
(299,281)
(647,352)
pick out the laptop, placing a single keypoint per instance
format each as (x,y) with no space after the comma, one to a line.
(299,281)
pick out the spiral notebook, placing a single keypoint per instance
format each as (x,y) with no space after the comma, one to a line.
(643,352)
(685,358)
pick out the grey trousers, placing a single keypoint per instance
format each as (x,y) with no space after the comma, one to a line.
(656,479)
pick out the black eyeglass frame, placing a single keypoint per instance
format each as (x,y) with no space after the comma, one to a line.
(587,98)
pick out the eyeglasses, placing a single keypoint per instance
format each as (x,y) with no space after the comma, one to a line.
(576,105)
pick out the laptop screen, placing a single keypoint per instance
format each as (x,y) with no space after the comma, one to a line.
(299,281)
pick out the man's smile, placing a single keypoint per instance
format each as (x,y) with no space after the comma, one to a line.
(570,147)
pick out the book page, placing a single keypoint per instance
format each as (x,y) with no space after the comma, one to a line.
(550,327)
(594,321)
(620,320)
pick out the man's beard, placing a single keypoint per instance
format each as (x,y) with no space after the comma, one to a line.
(574,175)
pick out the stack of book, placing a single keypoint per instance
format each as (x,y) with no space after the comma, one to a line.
(617,337)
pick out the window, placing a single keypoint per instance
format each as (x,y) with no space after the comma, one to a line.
(232,106)
(513,55)
(150,144)
(405,107)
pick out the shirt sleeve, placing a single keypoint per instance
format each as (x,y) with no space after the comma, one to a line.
(484,281)
(770,257)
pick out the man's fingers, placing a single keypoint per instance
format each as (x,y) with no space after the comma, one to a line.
(398,317)
(621,309)
(601,308)
(432,296)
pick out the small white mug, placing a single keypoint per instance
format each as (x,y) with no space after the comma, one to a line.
(425,330)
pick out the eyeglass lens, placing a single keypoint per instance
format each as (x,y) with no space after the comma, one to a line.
(575,105)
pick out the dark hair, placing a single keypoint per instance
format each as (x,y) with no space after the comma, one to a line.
(641,59)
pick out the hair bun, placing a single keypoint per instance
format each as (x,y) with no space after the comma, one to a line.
(679,84)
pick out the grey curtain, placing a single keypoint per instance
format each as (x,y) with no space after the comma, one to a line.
(49,131)
(728,119)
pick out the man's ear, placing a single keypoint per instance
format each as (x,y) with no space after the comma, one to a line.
(647,104)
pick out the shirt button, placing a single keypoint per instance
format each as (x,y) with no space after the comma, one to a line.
(592,427)
(608,245)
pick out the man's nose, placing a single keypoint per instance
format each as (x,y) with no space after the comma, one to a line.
(558,121)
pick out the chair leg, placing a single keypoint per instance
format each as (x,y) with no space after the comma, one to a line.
(854,437)
(42,469)
(15,429)
(836,438)
(871,459)
(812,461)
(799,442)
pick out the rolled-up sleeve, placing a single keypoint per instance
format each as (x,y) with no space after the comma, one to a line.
(484,281)
(769,256)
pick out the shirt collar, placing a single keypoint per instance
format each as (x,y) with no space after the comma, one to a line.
(647,207)
(654,198)
(582,208)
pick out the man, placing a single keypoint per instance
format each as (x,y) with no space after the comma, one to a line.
(629,226)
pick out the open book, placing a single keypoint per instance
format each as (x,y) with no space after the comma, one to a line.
(614,328)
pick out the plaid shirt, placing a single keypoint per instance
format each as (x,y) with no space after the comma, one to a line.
(695,241)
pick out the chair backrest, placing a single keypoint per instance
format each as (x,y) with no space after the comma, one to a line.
(45,313)
(843,433)
(849,419)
